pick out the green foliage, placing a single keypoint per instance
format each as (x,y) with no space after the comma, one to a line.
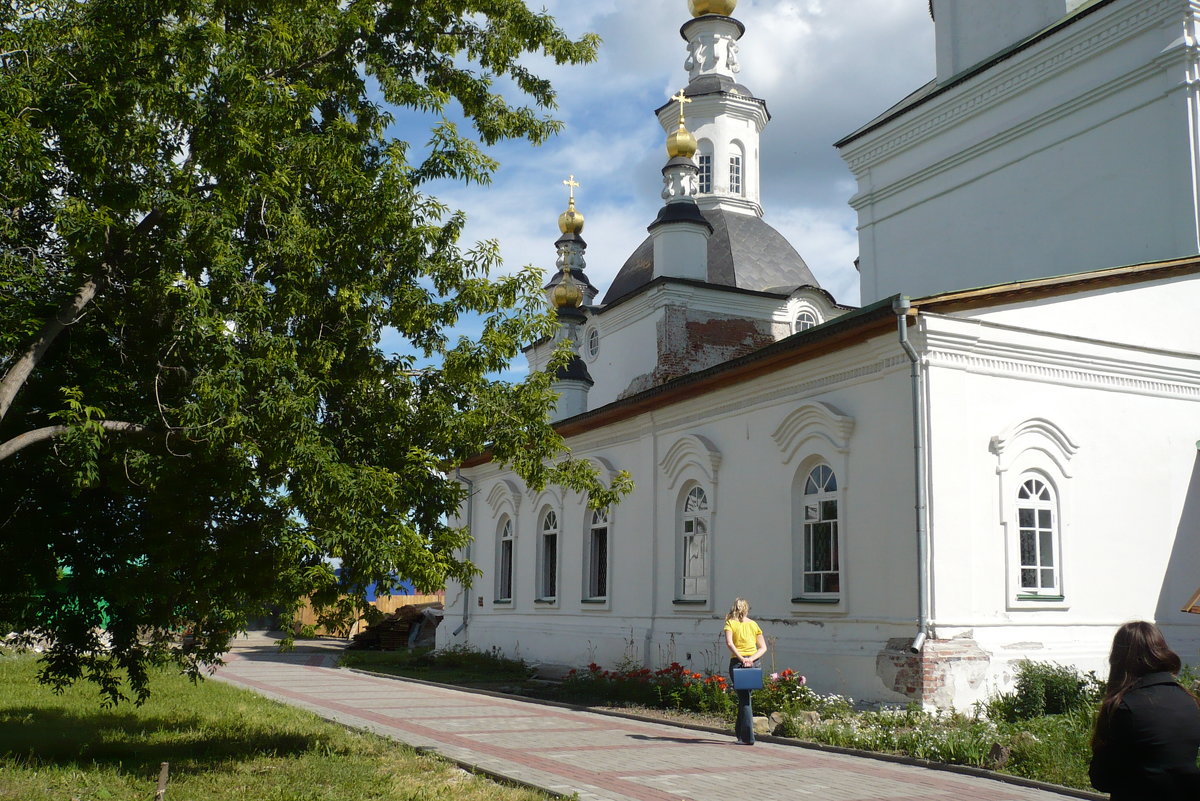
(1043,688)
(206,223)
(1053,748)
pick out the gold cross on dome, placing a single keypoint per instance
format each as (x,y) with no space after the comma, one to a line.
(572,185)
(681,98)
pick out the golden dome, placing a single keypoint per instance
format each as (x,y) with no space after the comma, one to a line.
(701,7)
(570,221)
(681,143)
(567,293)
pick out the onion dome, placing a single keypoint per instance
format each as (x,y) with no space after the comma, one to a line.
(570,221)
(701,7)
(567,294)
(681,143)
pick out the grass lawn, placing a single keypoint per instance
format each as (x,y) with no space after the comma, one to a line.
(223,744)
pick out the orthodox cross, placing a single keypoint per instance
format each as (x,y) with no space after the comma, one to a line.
(681,98)
(572,185)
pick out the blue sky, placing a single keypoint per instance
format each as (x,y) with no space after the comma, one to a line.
(824,67)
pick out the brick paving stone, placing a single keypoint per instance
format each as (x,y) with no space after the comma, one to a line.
(598,757)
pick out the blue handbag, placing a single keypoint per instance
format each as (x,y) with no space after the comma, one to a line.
(745,678)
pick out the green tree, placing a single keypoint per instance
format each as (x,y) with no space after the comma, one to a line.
(204,229)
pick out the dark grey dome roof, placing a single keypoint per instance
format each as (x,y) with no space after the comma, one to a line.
(743,252)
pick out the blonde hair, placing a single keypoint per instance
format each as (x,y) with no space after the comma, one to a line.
(740,610)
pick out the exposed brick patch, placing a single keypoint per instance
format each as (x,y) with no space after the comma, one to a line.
(690,340)
(930,676)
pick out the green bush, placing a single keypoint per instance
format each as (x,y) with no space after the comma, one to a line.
(1044,688)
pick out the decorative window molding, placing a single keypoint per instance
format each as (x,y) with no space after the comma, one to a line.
(504,492)
(813,421)
(1034,433)
(694,451)
(1033,469)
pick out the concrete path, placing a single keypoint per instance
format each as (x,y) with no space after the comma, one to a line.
(600,757)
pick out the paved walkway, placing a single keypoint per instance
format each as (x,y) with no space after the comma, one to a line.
(600,757)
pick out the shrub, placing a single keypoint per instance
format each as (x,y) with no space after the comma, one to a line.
(1044,688)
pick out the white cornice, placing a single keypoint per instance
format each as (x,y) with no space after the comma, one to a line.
(1071,47)
(1048,358)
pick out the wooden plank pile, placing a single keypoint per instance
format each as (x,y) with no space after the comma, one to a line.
(410,626)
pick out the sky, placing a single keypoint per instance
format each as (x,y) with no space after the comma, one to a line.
(824,67)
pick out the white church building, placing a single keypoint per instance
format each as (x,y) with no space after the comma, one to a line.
(994,458)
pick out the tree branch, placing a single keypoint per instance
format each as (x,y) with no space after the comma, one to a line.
(37,435)
(66,315)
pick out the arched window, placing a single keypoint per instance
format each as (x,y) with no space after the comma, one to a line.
(504,560)
(805,320)
(1037,527)
(735,174)
(548,557)
(597,556)
(820,575)
(693,546)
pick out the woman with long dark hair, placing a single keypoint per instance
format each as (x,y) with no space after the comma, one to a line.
(1147,735)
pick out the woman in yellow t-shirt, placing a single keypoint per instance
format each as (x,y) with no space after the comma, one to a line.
(745,641)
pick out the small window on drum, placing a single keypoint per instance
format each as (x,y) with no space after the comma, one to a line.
(804,321)
(593,343)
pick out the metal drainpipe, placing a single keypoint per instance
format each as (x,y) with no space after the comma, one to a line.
(471,537)
(901,306)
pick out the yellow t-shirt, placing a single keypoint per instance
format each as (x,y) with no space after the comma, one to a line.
(745,635)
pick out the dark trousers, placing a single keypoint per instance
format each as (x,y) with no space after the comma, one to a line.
(743,727)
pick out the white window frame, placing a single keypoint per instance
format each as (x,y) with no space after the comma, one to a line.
(814,511)
(1039,547)
(591,346)
(506,557)
(737,178)
(704,178)
(548,553)
(694,544)
(597,566)
(804,320)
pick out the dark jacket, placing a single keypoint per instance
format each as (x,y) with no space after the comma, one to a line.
(1152,743)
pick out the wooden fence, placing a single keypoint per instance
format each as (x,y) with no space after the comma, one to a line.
(386,604)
